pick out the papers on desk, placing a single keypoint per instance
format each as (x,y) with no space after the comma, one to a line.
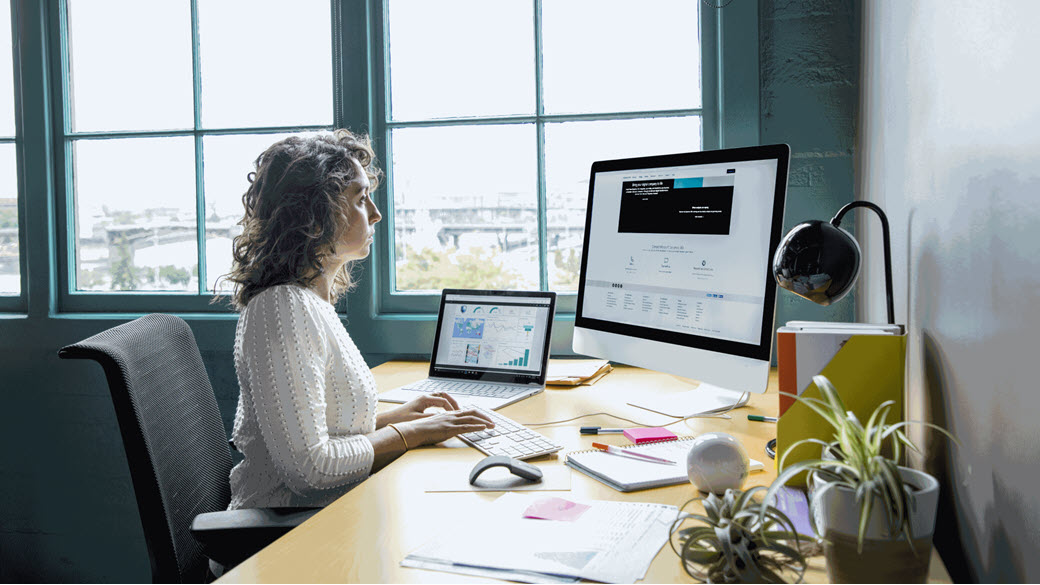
(612,542)
(576,372)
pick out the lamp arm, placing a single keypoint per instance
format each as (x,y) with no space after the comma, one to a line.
(836,222)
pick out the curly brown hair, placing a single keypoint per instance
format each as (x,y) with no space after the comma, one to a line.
(295,210)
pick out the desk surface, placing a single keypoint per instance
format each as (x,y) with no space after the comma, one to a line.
(363,536)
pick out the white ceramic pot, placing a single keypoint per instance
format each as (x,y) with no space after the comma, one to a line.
(886,555)
(836,508)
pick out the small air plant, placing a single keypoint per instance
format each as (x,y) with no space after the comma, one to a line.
(738,539)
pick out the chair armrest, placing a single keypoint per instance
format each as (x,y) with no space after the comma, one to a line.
(232,536)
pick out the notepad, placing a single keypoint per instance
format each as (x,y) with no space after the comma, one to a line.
(629,474)
(641,435)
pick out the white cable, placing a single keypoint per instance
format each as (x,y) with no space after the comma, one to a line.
(683,419)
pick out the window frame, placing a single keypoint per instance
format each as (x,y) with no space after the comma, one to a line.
(730,117)
(194,301)
(402,323)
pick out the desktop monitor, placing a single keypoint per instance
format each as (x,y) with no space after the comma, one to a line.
(675,271)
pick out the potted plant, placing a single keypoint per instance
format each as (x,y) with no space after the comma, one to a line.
(876,518)
(738,539)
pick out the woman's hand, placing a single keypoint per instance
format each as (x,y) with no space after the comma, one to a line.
(441,426)
(416,409)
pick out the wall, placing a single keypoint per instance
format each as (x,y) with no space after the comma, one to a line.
(67,509)
(950,148)
(809,71)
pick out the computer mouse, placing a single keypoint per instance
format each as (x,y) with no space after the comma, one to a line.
(515,466)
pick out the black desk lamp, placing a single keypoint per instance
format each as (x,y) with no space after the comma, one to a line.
(820,261)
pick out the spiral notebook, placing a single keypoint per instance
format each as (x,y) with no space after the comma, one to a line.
(629,474)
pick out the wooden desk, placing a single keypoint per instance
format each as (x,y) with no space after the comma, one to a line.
(363,536)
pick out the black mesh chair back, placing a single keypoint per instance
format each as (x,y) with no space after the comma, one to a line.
(175,443)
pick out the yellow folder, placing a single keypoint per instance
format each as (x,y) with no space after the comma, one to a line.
(866,371)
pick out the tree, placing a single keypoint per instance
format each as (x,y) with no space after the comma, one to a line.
(89,279)
(175,276)
(8,217)
(433,270)
(125,276)
(567,269)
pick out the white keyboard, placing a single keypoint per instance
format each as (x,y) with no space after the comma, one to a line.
(469,388)
(508,438)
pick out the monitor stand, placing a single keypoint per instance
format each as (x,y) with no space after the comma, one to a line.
(702,400)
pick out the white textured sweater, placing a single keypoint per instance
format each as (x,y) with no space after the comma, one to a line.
(307,399)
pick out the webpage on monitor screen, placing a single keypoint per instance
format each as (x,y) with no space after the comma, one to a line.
(682,249)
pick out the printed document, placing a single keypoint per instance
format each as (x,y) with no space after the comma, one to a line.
(611,542)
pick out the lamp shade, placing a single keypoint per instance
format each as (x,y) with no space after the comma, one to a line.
(818,261)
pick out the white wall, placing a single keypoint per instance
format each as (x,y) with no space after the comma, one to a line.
(949,146)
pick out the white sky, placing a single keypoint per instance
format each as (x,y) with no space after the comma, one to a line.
(6,72)
(10,284)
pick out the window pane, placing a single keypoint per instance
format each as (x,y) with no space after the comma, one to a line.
(228,161)
(6,73)
(265,63)
(135,214)
(130,65)
(10,270)
(618,55)
(465,207)
(570,150)
(461,58)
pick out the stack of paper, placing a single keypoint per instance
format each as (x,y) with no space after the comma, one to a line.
(865,362)
(805,348)
(611,542)
(576,372)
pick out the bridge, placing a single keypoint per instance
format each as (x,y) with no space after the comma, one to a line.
(135,236)
(514,226)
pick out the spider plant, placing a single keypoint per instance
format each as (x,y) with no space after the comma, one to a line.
(738,539)
(860,463)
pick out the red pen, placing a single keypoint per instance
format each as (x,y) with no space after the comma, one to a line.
(620,451)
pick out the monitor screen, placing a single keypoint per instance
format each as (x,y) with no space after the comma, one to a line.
(493,335)
(678,249)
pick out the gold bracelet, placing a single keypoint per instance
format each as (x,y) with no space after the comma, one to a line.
(403,440)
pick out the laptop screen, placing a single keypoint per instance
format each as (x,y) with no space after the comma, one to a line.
(494,336)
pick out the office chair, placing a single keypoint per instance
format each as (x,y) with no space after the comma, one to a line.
(178,453)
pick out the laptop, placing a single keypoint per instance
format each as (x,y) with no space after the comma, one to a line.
(491,348)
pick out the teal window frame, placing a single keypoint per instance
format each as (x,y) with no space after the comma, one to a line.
(393,323)
(198,301)
(730,112)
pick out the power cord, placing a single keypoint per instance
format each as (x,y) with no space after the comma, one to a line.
(771,448)
(679,419)
(567,420)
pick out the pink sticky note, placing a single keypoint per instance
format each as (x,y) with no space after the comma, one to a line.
(555,509)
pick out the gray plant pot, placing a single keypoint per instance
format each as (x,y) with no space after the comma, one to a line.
(887,556)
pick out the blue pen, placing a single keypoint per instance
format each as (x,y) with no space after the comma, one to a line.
(599,431)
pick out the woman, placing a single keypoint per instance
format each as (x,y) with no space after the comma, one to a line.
(306,420)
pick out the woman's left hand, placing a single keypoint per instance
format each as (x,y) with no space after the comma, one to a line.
(415,409)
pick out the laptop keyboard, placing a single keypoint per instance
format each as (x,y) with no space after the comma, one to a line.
(508,438)
(464,388)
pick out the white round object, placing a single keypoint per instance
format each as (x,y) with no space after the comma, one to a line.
(717,462)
